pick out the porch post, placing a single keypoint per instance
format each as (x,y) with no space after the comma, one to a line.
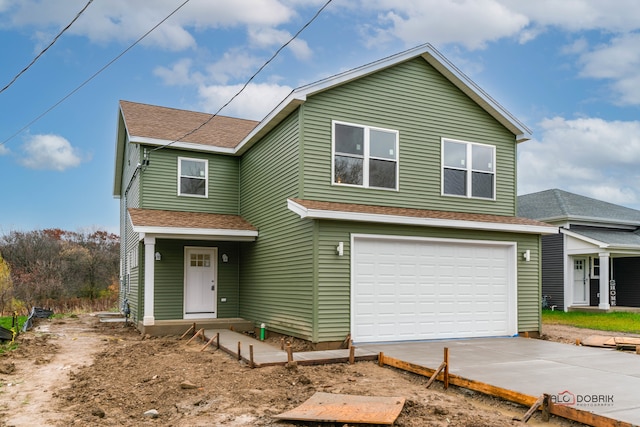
(149,280)
(604,281)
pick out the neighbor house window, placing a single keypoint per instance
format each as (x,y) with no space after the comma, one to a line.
(365,156)
(595,268)
(468,169)
(192,177)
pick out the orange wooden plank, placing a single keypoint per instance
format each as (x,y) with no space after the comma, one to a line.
(344,408)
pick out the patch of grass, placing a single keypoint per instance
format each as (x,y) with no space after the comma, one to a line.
(5,321)
(615,321)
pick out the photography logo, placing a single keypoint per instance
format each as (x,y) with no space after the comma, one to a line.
(566,398)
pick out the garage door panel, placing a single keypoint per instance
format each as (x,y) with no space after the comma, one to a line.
(430,289)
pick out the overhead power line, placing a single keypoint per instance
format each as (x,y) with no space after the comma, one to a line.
(55,39)
(313,18)
(94,74)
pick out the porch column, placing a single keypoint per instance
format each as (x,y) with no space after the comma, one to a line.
(149,280)
(604,281)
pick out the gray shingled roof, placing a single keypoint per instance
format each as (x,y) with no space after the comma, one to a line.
(554,205)
(614,238)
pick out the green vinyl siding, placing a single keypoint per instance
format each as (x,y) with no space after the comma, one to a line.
(129,243)
(416,100)
(334,277)
(276,280)
(160,183)
(169,278)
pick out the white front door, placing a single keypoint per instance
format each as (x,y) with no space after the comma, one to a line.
(200,287)
(580,281)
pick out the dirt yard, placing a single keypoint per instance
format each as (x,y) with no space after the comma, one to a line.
(78,371)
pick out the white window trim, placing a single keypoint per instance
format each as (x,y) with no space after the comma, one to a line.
(469,146)
(206,177)
(365,157)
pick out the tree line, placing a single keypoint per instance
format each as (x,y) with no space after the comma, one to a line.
(51,266)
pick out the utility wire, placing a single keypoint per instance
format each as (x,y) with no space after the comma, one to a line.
(55,39)
(248,81)
(94,74)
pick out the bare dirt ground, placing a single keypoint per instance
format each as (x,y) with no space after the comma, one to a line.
(78,371)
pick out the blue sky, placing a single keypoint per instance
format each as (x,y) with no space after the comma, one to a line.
(570,70)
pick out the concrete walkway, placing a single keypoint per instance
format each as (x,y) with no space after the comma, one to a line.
(266,354)
(534,367)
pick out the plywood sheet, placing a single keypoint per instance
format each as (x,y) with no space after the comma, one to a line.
(610,342)
(344,408)
(599,341)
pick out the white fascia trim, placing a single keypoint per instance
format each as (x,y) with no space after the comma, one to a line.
(195,232)
(595,242)
(190,146)
(599,222)
(424,222)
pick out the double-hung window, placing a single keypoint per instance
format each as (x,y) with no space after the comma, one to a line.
(193,175)
(468,169)
(365,156)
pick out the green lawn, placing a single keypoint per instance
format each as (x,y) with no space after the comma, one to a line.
(615,321)
(5,321)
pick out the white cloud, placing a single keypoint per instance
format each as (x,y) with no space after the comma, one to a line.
(618,61)
(579,15)
(126,20)
(178,74)
(266,37)
(4,150)
(471,23)
(255,102)
(49,152)
(234,64)
(588,156)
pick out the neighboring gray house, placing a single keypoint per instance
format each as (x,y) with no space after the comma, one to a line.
(378,204)
(595,259)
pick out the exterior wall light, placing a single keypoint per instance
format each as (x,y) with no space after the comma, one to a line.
(225,258)
(340,249)
(527,255)
(158,256)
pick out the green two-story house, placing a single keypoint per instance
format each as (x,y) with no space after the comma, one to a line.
(378,204)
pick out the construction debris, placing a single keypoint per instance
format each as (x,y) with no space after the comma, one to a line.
(619,343)
(344,408)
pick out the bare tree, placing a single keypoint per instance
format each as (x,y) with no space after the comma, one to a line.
(53,263)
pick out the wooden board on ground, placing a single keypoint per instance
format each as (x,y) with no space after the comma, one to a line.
(627,342)
(611,342)
(344,408)
(599,341)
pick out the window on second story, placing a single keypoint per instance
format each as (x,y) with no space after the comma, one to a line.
(192,177)
(365,156)
(468,169)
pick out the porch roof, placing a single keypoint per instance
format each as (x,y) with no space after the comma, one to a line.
(608,239)
(314,209)
(180,224)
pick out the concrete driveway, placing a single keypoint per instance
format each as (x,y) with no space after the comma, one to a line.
(602,381)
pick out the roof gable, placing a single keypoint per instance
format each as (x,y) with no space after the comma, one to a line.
(426,52)
(559,205)
(145,122)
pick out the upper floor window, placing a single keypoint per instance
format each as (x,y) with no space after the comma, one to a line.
(468,169)
(192,177)
(365,156)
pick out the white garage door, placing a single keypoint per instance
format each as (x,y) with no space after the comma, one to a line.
(408,289)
